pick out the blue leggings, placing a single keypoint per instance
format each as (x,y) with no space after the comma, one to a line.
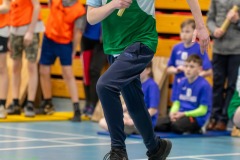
(124,76)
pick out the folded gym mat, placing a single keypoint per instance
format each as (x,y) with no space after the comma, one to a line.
(174,135)
(57,116)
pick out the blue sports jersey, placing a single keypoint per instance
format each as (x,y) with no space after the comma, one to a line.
(92,31)
(192,95)
(179,55)
(151,97)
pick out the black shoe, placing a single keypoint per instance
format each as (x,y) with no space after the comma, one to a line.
(46,109)
(14,109)
(76,117)
(116,154)
(163,152)
(29,110)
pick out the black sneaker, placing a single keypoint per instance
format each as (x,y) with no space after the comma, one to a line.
(163,152)
(46,109)
(76,117)
(29,110)
(116,154)
(14,109)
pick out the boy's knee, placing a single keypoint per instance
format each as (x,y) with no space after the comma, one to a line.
(236,118)
(100,86)
(176,128)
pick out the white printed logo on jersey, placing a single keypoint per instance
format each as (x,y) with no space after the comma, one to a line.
(189,92)
(188,96)
(184,56)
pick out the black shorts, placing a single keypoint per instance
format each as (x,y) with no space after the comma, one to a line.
(3,44)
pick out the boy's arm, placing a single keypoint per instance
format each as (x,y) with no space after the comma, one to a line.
(5,6)
(175,107)
(152,111)
(206,73)
(96,14)
(36,10)
(201,30)
(29,34)
(77,32)
(200,111)
(172,70)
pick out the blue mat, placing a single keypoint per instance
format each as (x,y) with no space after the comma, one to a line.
(174,135)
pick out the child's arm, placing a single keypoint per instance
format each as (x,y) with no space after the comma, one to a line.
(77,32)
(201,30)
(172,70)
(152,111)
(206,73)
(200,111)
(5,6)
(97,14)
(29,34)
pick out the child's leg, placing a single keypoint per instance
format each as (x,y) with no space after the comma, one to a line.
(98,61)
(86,59)
(31,55)
(123,71)
(185,124)
(102,122)
(71,82)
(236,118)
(45,79)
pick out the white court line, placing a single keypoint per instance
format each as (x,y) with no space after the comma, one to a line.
(16,137)
(203,158)
(55,133)
(42,131)
(200,156)
(59,146)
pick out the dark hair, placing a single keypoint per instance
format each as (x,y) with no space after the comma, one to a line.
(195,58)
(150,67)
(188,22)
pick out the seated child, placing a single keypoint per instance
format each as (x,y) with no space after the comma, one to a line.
(234,106)
(180,53)
(151,97)
(191,109)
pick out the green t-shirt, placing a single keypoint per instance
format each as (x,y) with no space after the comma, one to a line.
(137,24)
(234,104)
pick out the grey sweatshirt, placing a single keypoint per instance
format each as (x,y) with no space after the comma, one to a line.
(230,42)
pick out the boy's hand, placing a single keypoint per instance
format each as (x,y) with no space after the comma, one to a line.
(119,4)
(172,117)
(28,38)
(218,33)
(204,40)
(179,115)
(180,69)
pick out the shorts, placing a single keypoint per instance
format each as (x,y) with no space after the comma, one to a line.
(3,45)
(51,50)
(17,47)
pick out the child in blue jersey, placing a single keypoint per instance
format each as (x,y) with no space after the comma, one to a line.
(151,98)
(130,42)
(94,60)
(180,53)
(192,106)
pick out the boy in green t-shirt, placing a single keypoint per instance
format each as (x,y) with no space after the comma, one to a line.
(130,42)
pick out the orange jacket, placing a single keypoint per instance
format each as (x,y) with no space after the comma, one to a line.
(60,23)
(4,19)
(21,13)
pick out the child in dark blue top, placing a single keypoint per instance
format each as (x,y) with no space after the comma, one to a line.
(181,52)
(192,106)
